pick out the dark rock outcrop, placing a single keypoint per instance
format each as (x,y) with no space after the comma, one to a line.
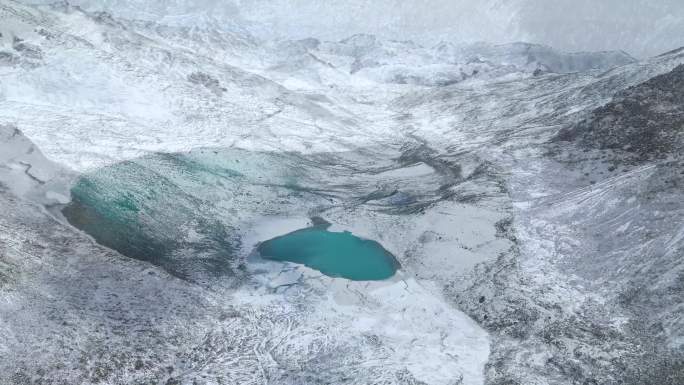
(207,81)
(646,120)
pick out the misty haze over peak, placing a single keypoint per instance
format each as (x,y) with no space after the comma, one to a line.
(642,28)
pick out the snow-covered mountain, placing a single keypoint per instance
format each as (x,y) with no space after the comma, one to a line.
(405,62)
(532,197)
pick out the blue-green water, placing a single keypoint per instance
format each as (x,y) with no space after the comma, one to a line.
(333,254)
(146,212)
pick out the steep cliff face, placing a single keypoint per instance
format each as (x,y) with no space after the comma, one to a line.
(27,173)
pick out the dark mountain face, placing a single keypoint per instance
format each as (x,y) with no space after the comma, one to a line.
(646,120)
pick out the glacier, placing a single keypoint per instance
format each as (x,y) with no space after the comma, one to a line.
(532,197)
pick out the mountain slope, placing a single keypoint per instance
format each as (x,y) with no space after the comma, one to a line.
(536,246)
(647,119)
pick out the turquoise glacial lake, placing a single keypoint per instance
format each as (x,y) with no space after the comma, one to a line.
(335,254)
(182,212)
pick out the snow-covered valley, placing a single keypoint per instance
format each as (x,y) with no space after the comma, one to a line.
(536,213)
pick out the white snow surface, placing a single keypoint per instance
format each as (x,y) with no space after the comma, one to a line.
(90,90)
